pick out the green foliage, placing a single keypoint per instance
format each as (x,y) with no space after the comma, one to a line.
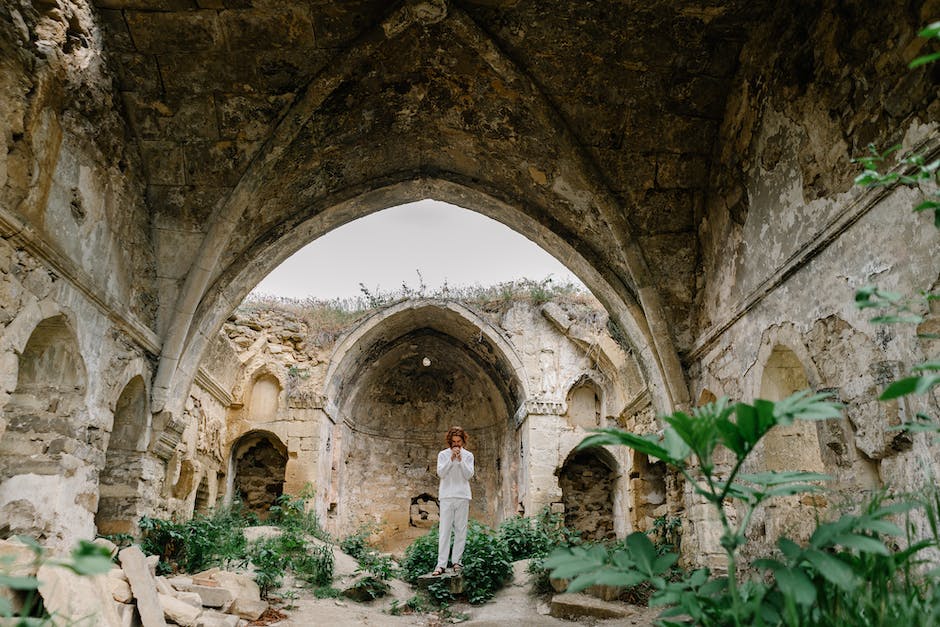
(315,566)
(535,536)
(327,592)
(356,544)
(689,443)
(486,563)
(197,544)
(290,513)
(415,605)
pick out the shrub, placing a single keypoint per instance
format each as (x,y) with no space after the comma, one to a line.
(197,544)
(356,544)
(536,536)
(315,566)
(486,563)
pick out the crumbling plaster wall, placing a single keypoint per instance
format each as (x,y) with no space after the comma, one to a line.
(49,486)
(787,240)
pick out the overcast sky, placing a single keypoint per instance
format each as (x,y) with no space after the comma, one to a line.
(386,248)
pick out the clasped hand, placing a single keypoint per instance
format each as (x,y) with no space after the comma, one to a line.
(455,453)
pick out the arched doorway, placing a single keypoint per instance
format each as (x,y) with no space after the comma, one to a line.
(120,500)
(259,460)
(397,383)
(588,483)
(47,433)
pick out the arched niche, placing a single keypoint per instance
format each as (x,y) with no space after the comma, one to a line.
(259,461)
(47,420)
(264,398)
(396,384)
(204,503)
(796,446)
(584,404)
(120,502)
(588,482)
(48,402)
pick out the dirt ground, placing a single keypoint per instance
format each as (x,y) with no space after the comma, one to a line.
(513,605)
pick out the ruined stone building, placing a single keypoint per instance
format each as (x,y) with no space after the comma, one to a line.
(689,161)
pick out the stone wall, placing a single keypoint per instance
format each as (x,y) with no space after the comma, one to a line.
(787,240)
(360,412)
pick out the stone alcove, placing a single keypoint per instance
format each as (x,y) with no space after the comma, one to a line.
(399,383)
(259,460)
(588,481)
(121,504)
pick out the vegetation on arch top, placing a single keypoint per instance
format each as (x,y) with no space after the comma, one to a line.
(327,318)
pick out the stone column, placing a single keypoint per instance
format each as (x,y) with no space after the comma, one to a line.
(305,416)
(539,433)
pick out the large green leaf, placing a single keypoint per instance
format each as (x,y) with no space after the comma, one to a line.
(832,568)
(862,544)
(910,385)
(643,552)
(19,583)
(806,406)
(794,583)
(615,437)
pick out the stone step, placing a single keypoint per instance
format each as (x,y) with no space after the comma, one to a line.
(454,581)
(574,606)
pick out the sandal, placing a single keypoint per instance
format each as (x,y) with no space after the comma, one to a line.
(437,572)
(458,568)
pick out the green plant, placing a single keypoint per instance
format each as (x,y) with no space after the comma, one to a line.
(270,564)
(197,544)
(689,444)
(327,592)
(356,544)
(374,587)
(290,513)
(414,605)
(486,563)
(666,534)
(315,566)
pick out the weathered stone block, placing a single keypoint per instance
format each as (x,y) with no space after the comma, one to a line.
(575,606)
(73,598)
(143,585)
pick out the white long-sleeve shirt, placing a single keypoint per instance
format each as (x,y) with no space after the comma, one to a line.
(455,475)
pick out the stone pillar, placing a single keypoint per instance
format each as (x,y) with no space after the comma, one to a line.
(305,416)
(539,433)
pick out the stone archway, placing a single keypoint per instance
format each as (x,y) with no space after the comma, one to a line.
(398,382)
(259,461)
(588,483)
(796,446)
(120,501)
(46,419)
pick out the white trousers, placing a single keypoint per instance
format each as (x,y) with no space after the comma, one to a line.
(454,514)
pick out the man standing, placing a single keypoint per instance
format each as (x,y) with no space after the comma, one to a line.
(454,467)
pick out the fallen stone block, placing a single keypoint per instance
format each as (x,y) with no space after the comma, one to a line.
(248,609)
(210,618)
(180,582)
(76,599)
(104,542)
(192,598)
(143,585)
(16,560)
(120,590)
(574,606)
(211,596)
(128,614)
(454,582)
(164,587)
(241,586)
(179,612)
